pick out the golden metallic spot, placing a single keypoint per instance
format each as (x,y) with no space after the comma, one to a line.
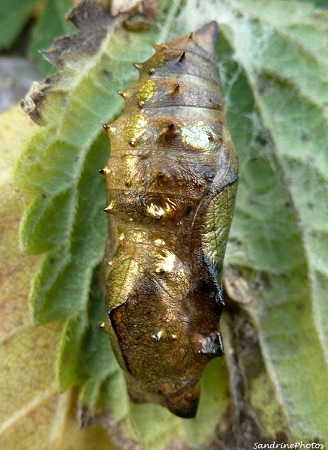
(136,128)
(139,236)
(165,263)
(155,210)
(174,336)
(159,242)
(158,211)
(102,325)
(151,71)
(122,236)
(146,91)
(110,263)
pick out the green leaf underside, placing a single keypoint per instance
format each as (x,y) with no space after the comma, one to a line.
(292,105)
(274,74)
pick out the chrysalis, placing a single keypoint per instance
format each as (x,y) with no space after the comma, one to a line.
(172,179)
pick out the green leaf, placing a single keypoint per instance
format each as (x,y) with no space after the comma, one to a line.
(13,16)
(291,104)
(273,61)
(49,26)
(28,389)
(33,412)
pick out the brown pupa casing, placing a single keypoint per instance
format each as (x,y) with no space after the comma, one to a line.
(172,179)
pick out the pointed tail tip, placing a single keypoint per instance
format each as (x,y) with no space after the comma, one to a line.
(208,35)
